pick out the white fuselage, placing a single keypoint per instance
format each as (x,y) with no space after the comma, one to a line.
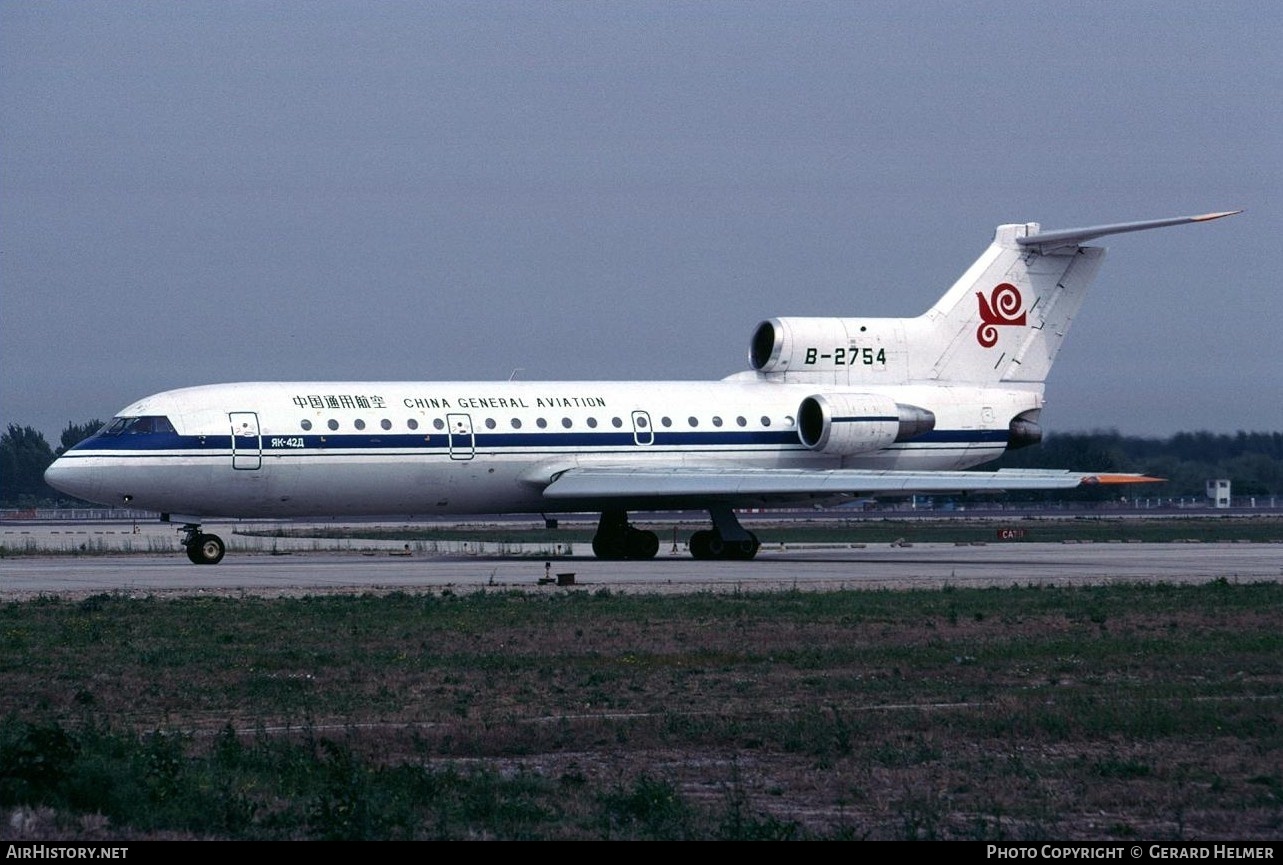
(285,449)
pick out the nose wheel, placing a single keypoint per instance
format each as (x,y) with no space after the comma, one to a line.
(203,549)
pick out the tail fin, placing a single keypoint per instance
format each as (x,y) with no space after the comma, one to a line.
(1005,319)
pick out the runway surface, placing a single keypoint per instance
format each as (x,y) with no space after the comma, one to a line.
(801,568)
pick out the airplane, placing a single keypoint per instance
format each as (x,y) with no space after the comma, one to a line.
(831,409)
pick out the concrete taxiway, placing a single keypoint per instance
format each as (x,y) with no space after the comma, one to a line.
(298,571)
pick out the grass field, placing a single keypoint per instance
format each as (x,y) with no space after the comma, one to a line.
(1112,712)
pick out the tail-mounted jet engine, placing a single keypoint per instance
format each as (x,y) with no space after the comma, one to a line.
(850,423)
(781,345)
(1024,430)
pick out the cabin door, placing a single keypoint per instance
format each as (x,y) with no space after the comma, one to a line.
(247,440)
(642,432)
(463,444)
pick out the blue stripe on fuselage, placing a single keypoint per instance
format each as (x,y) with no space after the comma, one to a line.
(284,444)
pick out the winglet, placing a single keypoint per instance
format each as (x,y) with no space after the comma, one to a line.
(1047,241)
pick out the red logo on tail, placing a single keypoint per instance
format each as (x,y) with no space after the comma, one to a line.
(1001,307)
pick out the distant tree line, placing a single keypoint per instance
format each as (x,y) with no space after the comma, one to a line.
(1252,461)
(24,456)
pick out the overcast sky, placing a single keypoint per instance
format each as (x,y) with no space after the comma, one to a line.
(201,192)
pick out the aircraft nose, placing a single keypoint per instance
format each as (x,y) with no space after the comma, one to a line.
(74,479)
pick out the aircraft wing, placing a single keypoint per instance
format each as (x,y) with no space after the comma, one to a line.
(695,484)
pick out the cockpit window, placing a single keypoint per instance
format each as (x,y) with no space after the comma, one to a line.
(144,425)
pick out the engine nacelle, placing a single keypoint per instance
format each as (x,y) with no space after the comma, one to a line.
(781,344)
(1024,430)
(844,424)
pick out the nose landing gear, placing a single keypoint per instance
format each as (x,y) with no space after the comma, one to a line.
(202,549)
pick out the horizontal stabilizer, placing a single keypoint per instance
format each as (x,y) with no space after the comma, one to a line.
(1046,241)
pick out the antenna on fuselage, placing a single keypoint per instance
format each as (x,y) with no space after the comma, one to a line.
(513,375)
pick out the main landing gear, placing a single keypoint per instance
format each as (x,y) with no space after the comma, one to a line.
(726,540)
(616,539)
(709,544)
(202,549)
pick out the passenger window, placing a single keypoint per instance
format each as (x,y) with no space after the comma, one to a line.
(616,422)
(694,421)
(740,421)
(541,423)
(412,423)
(385,423)
(592,423)
(305,424)
(332,424)
(359,424)
(565,421)
(489,423)
(717,421)
(516,423)
(766,421)
(438,423)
